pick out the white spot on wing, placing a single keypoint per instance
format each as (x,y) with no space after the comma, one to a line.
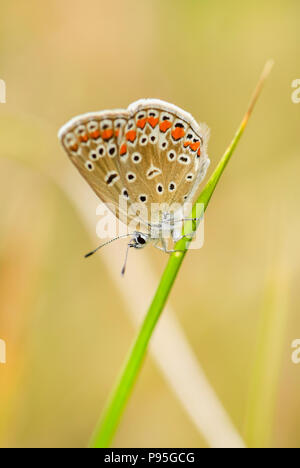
(89,165)
(136,158)
(184,159)
(153,172)
(131,177)
(111,178)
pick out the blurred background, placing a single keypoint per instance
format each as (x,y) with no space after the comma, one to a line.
(64,320)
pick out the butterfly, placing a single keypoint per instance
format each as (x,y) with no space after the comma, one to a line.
(153,154)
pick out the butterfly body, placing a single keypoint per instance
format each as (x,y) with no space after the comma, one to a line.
(146,161)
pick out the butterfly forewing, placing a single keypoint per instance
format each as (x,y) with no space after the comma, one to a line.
(151,153)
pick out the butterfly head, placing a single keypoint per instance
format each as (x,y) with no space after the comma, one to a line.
(139,240)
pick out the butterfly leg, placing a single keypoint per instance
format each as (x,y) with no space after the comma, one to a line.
(165,249)
(183,220)
(188,237)
(168,251)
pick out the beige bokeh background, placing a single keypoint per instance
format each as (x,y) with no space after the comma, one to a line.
(63,319)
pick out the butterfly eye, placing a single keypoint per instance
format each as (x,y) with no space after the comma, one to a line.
(141,240)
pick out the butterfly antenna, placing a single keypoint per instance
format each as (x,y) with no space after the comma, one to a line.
(106,243)
(126,257)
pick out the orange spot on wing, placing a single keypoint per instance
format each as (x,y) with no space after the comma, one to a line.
(165,125)
(178,133)
(123,149)
(152,121)
(83,138)
(74,147)
(195,146)
(107,134)
(117,132)
(141,123)
(131,135)
(186,144)
(95,134)
(199,152)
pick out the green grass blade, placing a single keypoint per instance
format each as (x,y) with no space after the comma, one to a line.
(110,419)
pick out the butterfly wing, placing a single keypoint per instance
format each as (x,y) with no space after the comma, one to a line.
(166,155)
(92,142)
(152,153)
